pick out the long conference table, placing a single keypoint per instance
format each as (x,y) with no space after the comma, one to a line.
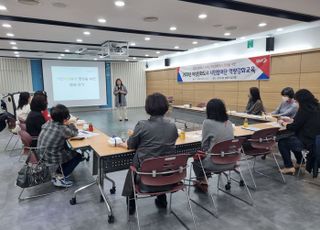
(107,158)
(184,113)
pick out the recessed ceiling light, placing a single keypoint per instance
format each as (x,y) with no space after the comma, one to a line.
(62,55)
(59,4)
(150,19)
(242,38)
(127,59)
(119,3)
(227,34)
(16,52)
(102,20)
(79,40)
(147,55)
(158,52)
(134,58)
(14,47)
(95,59)
(13,43)
(194,42)
(147,38)
(86,33)
(262,24)
(66,50)
(29,2)
(279,29)
(59,57)
(132,44)
(10,34)
(173,28)
(3,8)
(176,47)
(100,56)
(6,25)
(202,16)
(17,55)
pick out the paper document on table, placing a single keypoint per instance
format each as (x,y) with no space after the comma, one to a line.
(86,134)
(251,128)
(276,124)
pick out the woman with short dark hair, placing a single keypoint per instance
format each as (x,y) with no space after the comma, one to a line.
(305,125)
(35,119)
(216,128)
(288,106)
(45,113)
(151,138)
(120,92)
(255,105)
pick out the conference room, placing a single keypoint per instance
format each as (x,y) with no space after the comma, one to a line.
(172,114)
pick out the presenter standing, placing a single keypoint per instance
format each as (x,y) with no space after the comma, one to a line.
(120,92)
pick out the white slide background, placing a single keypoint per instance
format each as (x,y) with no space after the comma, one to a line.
(75,83)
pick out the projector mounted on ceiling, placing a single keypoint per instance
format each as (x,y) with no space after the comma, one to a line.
(109,49)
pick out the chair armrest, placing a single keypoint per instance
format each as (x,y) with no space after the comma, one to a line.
(199,155)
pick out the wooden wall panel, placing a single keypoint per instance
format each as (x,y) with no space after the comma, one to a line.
(294,70)
(286,64)
(310,81)
(310,62)
(280,81)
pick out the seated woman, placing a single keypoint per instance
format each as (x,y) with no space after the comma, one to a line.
(216,128)
(255,105)
(288,106)
(23,108)
(151,138)
(35,120)
(53,137)
(45,113)
(305,125)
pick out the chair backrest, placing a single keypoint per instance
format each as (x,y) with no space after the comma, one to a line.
(227,152)
(164,170)
(264,138)
(26,139)
(23,126)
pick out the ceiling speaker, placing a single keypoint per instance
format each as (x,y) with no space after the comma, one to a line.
(167,62)
(270,44)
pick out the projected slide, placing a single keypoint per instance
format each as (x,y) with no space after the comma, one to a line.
(75,83)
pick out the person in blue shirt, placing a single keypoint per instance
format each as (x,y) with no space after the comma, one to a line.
(288,106)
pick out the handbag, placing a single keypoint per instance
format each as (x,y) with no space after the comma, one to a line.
(33,174)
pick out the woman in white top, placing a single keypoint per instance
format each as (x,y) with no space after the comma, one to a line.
(23,108)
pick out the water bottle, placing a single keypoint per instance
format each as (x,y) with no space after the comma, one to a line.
(245,123)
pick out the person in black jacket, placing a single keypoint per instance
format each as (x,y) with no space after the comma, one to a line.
(35,120)
(305,125)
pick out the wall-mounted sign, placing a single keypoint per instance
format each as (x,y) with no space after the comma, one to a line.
(247,69)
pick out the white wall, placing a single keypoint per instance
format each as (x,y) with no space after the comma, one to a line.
(15,75)
(295,40)
(134,78)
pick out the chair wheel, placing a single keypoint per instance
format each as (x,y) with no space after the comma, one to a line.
(113,190)
(101,199)
(110,219)
(263,157)
(241,183)
(88,158)
(73,201)
(227,187)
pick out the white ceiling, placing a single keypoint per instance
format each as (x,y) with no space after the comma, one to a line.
(170,13)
